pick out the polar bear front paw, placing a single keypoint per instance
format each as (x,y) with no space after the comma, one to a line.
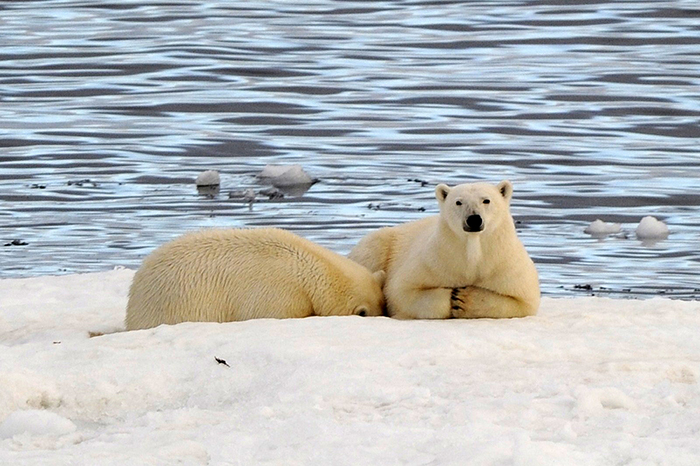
(472,302)
(457,302)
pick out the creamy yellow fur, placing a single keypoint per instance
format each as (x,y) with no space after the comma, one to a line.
(437,270)
(227,275)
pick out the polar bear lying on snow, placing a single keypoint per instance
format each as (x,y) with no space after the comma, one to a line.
(226,275)
(465,262)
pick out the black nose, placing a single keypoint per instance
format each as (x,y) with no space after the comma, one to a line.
(474,223)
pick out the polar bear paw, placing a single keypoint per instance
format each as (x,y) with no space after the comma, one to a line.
(471,302)
(457,302)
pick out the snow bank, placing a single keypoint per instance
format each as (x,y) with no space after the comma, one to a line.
(588,381)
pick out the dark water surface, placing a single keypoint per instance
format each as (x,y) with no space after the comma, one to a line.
(110,109)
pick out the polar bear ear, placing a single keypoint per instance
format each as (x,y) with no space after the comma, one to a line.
(505,187)
(441,192)
(380,277)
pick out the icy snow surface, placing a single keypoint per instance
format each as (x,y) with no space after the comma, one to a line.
(35,422)
(588,381)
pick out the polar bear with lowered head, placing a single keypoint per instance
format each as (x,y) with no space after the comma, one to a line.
(466,262)
(239,274)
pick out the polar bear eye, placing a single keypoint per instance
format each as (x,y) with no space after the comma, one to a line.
(458,202)
(487,201)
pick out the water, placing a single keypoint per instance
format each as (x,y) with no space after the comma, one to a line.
(109,110)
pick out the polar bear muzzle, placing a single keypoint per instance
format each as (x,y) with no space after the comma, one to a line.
(473,224)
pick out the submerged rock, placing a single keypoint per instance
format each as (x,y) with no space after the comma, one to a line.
(210,191)
(247,195)
(272,193)
(81,183)
(16,242)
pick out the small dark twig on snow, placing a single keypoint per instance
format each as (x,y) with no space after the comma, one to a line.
(221,361)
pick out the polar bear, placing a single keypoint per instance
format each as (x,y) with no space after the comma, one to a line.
(465,262)
(224,275)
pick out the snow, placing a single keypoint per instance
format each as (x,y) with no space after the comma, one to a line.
(588,381)
(651,228)
(601,228)
(35,422)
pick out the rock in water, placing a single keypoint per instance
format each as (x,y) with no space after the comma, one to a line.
(601,228)
(651,228)
(208,178)
(249,196)
(286,175)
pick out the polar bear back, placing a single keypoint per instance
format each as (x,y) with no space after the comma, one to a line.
(238,274)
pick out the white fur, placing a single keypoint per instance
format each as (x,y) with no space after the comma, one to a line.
(226,275)
(436,270)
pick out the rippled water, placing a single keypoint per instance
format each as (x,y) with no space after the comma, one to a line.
(109,110)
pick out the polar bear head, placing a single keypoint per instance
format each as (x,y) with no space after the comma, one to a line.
(367,297)
(475,207)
